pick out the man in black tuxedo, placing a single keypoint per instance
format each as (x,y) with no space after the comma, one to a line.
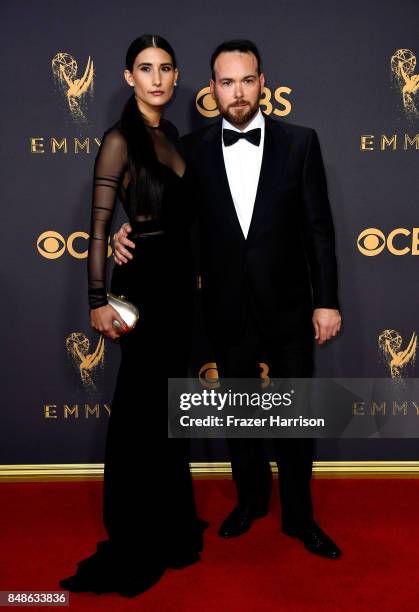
(268,272)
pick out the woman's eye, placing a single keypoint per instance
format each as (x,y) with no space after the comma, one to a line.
(145,69)
(166,68)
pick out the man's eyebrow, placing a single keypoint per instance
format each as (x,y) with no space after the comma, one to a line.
(248,76)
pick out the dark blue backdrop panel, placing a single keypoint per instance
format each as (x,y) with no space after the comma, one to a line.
(332,66)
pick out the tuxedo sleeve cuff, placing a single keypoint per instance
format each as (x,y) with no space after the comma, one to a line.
(322,304)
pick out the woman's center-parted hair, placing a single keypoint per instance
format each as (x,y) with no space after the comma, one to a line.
(145,42)
(145,194)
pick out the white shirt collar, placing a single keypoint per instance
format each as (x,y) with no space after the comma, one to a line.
(258,121)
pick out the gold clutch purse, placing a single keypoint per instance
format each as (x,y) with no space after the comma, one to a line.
(126,310)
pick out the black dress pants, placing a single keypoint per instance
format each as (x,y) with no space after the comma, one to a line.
(294,456)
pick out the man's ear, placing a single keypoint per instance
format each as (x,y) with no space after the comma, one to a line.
(212,86)
(262,80)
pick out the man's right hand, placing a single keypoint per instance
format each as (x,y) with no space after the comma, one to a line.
(102,320)
(121,255)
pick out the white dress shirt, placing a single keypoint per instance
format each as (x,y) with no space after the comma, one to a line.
(242,162)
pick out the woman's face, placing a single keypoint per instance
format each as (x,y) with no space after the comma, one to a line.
(153,77)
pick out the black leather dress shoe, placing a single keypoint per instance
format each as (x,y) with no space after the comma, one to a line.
(238,522)
(316,541)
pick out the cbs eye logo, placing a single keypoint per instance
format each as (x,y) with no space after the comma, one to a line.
(52,245)
(207,106)
(208,375)
(205,103)
(400,241)
(371,242)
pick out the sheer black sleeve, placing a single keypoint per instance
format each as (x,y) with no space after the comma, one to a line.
(110,168)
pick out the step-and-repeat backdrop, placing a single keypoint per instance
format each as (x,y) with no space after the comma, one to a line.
(347,69)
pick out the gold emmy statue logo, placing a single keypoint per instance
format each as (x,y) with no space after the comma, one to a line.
(208,375)
(390,342)
(403,64)
(64,70)
(78,346)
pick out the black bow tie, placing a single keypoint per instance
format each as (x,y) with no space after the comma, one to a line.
(231,136)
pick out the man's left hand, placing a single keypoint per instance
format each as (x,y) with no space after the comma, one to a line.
(327,323)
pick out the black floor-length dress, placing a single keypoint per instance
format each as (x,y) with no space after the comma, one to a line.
(149,508)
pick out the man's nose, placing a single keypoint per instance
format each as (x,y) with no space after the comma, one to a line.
(238,91)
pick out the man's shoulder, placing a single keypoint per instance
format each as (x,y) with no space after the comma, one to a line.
(291,129)
(202,134)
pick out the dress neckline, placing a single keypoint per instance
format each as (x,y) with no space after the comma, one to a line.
(165,166)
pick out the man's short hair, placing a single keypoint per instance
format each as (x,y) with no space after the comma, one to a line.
(241,45)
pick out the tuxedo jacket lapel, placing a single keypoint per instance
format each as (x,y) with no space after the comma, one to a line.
(275,153)
(220,181)
(275,150)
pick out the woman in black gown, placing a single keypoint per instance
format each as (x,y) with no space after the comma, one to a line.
(149,509)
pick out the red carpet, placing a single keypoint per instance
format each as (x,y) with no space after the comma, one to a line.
(46,528)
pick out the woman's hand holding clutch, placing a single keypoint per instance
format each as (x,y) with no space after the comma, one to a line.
(102,319)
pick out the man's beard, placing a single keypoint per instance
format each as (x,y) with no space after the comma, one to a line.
(248,112)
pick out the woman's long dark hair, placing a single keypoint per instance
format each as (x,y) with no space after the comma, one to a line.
(146,187)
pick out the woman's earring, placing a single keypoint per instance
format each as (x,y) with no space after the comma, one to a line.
(176,84)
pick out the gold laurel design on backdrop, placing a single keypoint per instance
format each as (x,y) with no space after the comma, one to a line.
(403,64)
(390,342)
(64,70)
(78,348)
